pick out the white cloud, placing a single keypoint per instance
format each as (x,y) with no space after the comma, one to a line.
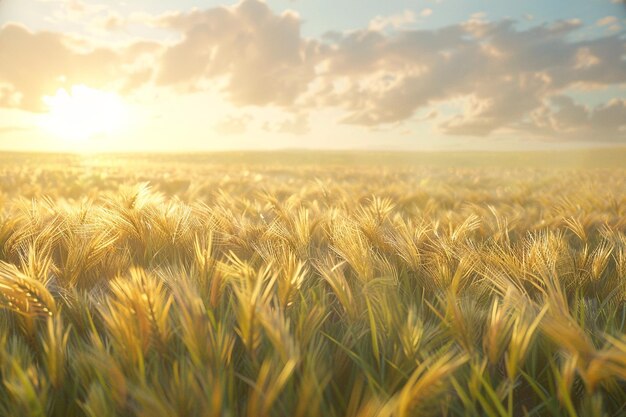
(511,78)
(606,21)
(233,125)
(296,125)
(426,12)
(506,73)
(33,65)
(262,54)
(395,21)
(112,21)
(565,119)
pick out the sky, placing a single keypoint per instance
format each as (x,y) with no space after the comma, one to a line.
(190,75)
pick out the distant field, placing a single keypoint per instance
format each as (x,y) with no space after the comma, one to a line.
(313,284)
(589,158)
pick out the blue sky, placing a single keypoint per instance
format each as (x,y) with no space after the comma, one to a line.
(441,74)
(320,16)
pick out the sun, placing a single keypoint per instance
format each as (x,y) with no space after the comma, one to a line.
(83,113)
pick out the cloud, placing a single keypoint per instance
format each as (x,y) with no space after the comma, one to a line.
(33,65)
(232,125)
(294,124)
(606,21)
(12,129)
(510,78)
(112,21)
(298,124)
(611,23)
(261,55)
(394,21)
(563,118)
(504,73)
(75,11)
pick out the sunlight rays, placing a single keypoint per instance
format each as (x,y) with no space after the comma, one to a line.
(83,113)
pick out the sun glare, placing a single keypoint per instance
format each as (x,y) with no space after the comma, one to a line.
(83,113)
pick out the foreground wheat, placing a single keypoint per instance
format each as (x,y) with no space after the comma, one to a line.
(303,291)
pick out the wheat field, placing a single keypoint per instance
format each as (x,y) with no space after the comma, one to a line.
(318,284)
